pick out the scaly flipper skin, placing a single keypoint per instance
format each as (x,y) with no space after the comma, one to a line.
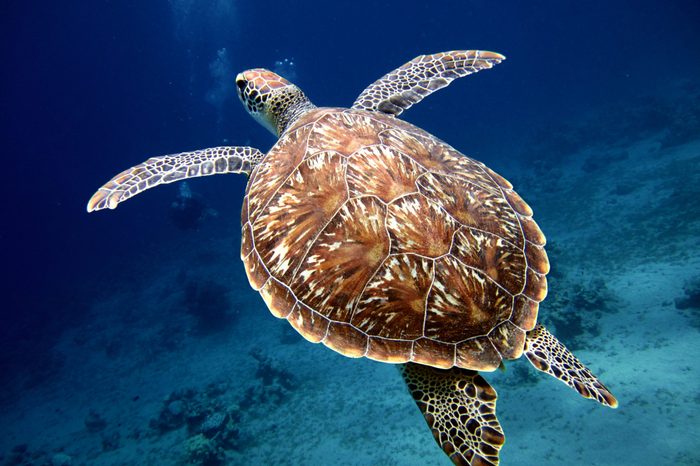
(397,91)
(171,168)
(460,408)
(548,355)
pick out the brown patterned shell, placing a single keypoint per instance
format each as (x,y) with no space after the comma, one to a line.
(375,238)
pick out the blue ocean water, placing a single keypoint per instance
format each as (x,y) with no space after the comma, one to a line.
(132,336)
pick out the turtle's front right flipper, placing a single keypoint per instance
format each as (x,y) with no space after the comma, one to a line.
(171,168)
(400,89)
(460,408)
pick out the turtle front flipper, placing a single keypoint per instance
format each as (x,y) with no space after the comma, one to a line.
(400,89)
(460,408)
(171,168)
(548,355)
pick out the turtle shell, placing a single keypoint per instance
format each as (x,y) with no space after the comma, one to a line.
(377,239)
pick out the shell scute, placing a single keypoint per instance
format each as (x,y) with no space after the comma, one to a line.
(392,351)
(257,275)
(424,150)
(502,182)
(517,203)
(472,206)
(536,286)
(536,258)
(346,339)
(524,312)
(296,213)
(393,303)
(310,324)
(383,172)
(508,339)
(279,298)
(418,225)
(274,169)
(463,302)
(499,259)
(246,241)
(433,353)
(532,231)
(343,258)
(439,158)
(478,354)
(344,133)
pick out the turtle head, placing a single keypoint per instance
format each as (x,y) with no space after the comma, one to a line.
(272,100)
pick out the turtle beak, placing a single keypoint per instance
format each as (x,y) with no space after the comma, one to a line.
(240,80)
(241,83)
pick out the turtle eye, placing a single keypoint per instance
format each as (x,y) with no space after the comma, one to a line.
(241,84)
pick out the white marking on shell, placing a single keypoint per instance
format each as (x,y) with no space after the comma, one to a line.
(333,246)
(478,278)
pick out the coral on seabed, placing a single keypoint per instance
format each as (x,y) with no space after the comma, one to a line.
(200,450)
(274,383)
(212,419)
(21,455)
(211,422)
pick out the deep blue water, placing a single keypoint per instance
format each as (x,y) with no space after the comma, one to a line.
(90,88)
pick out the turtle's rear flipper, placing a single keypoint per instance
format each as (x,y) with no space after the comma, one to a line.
(171,168)
(460,408)
(548,355)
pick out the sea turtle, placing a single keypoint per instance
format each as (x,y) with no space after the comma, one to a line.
(377,239)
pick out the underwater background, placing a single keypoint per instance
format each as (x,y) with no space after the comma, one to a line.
(133,337)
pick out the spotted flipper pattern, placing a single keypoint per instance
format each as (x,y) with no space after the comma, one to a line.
(171,168)
(460,408)
(400,89)
(548,355)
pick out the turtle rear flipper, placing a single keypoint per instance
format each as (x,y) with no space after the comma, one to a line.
(460,408)
(548,355)
(171,168)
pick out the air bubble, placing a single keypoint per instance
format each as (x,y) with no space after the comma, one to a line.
(286,68)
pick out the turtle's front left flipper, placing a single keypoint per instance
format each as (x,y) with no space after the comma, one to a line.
(171,168)
(400,89)
(460,408)
(548,355)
